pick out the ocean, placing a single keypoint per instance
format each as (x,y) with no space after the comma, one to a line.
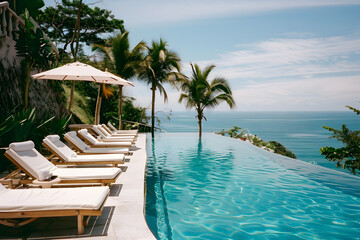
(300,132)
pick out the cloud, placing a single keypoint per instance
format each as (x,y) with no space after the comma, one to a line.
(289,57)
(324,93)
(285,74)
(145,12)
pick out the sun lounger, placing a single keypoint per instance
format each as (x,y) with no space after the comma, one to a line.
(120,131)
(68,156)
(39,170)
(106,138)
(81,146)
(19,207)
(107,130)
(95,143)
(98,129)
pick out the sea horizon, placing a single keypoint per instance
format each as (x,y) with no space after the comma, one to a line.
(299,131)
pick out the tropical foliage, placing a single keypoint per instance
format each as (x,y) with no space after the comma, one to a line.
(159,66)
(23,124)
(124,61)
(32,6)
(35,49)
(347,156)
(199,93)
(244,134)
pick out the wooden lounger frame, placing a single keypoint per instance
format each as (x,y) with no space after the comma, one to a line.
(103,130)
(104,139)
(30,178)
(83,216)
(62,161)
(91,145)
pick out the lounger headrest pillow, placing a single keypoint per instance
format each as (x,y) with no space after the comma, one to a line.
(53,138)
(22,146)
(83,131)
(72,133)
(44,175)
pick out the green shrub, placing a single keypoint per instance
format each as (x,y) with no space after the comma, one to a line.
(22,125)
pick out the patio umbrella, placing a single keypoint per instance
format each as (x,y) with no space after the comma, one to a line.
(78,71)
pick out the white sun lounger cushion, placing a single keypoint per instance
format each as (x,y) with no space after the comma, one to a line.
(99,157)
(86,173)
(120,131)
(113,144)
(66,153)
(95,142)
(37,165)
(108,150)
(85,198)
(31,160)
(88,136)
(77,141)
(97,130)
(117,135)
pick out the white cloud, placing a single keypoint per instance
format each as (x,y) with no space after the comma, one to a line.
(145,12)
(289,58)
(285,74)
(325,93)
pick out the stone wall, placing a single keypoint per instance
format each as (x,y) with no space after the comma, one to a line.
(12,82)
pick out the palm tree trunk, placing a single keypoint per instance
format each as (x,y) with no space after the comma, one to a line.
(26,95)
(120,106)
(153,111)
(200,123)
(77,34)
(98,105)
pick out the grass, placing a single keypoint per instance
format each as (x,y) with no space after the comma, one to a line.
(79,107)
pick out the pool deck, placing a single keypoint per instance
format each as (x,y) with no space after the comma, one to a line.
(123,214)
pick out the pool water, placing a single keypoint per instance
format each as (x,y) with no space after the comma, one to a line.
(223,188)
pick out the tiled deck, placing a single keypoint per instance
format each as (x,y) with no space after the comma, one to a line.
(123,214)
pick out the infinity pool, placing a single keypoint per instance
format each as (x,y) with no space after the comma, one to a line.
(223,188)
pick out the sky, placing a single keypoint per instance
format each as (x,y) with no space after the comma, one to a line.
(277,55)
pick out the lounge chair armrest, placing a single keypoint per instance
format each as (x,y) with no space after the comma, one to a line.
(47,184)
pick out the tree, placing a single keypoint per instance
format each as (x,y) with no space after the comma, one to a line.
(125,61)
(32,6)
(35,49)
(63,24)
(159,66)
(199,93)
(59,24)
(347,156)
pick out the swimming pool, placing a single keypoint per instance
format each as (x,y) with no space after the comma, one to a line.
(223,188)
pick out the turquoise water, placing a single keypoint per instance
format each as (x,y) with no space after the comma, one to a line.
(301,132)
(222,188)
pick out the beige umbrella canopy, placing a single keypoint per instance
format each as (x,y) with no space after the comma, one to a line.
(78,71)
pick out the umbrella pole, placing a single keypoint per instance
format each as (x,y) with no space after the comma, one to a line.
(98,105)
(120,106)
(71,95)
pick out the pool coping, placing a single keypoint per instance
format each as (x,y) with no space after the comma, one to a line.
(128,219)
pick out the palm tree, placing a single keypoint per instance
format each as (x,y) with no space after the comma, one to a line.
(199,93)
(125,61)
(160,66)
